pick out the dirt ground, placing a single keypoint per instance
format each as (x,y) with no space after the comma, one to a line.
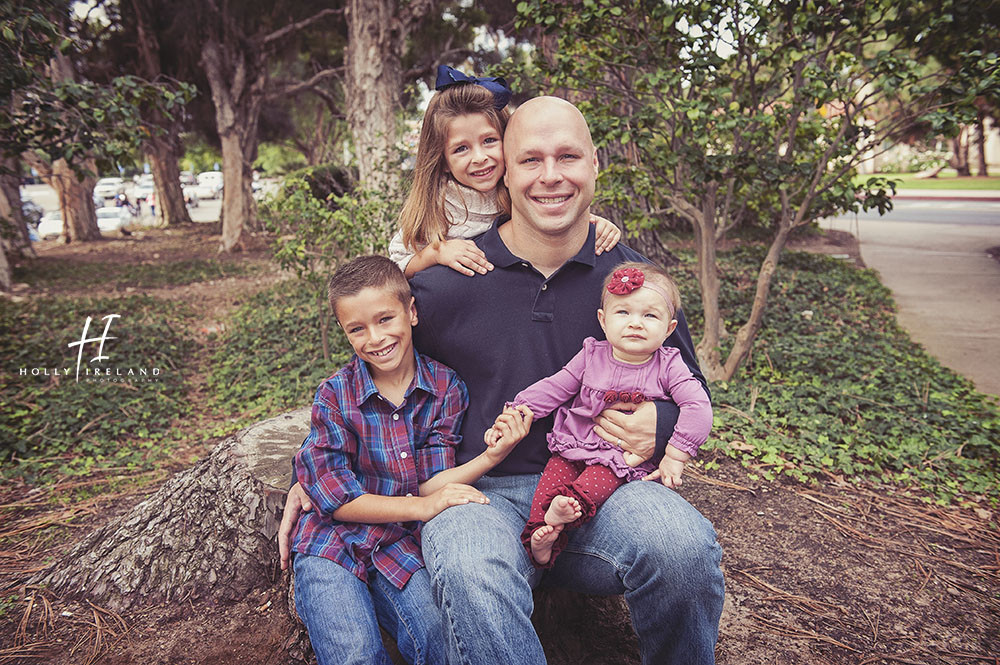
(829,573)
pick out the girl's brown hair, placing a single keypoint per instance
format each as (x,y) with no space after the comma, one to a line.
(422,220)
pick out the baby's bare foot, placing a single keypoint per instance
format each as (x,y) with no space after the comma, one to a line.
(542,541)
(562,510)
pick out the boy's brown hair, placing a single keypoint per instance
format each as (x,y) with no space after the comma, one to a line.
(370,271)
(653,273)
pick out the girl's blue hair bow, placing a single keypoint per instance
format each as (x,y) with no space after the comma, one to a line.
(448,77)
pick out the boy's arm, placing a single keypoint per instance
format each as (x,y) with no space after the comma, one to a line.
(324,468)
(515,424)
(323,464)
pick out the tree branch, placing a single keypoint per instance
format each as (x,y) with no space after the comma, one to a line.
(307,85)
(281,33)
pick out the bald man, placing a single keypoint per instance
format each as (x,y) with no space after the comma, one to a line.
(505,330)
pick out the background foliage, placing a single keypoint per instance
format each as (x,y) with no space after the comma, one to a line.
(57,421)
(834,385)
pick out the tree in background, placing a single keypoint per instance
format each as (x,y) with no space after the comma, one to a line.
(64,127)
(960,27)
(745,113)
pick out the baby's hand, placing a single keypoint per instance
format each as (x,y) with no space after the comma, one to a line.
(607,234)
(464,256)
(510,427)
(669,472)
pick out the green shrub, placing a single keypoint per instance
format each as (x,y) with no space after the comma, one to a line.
(52,417)
(834,384)
(271,356)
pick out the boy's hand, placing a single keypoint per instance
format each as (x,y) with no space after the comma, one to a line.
(606,234)
(452,494)
(463,255)
(510,427)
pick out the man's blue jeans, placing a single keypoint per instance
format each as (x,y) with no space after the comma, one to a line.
(342,615)
(645,542)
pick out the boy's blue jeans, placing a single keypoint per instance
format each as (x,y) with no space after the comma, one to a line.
(342,615)
(645,542)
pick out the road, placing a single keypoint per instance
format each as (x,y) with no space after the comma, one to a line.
(980,212)
(932,256)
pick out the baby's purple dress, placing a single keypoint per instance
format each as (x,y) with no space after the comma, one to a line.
(589,375)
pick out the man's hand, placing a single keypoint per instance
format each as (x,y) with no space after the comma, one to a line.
(631,427)
(510,427)
(464,256)
(452,494)
(296,503)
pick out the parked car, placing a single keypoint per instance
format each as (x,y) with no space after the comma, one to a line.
(108,188)
(143,188)
(51,225)
(209,185)
(112,218)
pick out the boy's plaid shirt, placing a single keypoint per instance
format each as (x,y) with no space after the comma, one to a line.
(360,443)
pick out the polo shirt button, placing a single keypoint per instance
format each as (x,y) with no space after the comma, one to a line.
(544,287)
(409,494)
(524,264)
(403,455)
(395,416)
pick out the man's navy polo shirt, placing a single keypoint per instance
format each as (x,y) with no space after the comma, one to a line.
(511,327)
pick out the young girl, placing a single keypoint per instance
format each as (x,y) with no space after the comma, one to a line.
(637,315)
(458,187)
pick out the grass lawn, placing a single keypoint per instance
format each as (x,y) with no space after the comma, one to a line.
(947,179)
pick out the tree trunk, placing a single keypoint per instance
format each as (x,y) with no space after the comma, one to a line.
(960,153)
(14,238)
(76,197)
(377,36)
(171,208)
(707,349)
(237,80)
(162,150)
(981,169)
(10,208)
(208,532)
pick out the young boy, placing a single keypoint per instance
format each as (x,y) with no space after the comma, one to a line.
(378,461)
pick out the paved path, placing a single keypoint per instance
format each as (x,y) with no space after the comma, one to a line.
(946,287)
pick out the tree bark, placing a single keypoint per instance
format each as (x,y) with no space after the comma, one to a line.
(10,208)
(237,79)
(171,208)
(960,153)
(981,169)
(377,35)
(76,197)
(162,150)
(207,533)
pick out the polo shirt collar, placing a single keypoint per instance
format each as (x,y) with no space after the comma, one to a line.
(499,255)
(364,384)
